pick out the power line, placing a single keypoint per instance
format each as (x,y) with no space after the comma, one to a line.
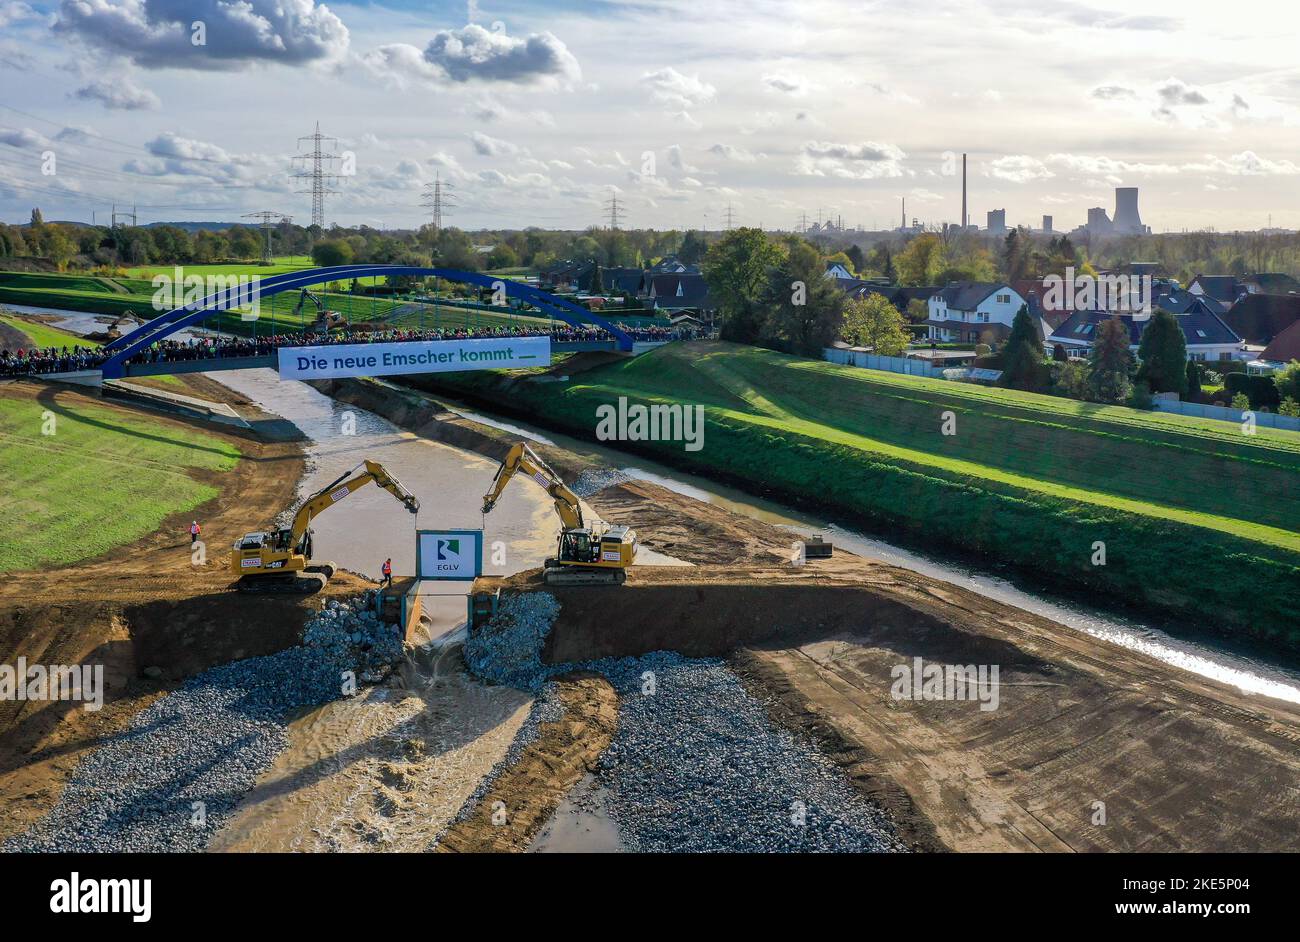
(438,200)
(731,218)
(112,224)
(321,179)
(269,220)
(611,205)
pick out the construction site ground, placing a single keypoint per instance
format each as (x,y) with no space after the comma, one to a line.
(1177,762)
(1085,731)
(143,611)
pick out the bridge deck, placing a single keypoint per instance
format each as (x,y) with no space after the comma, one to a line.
(216,364)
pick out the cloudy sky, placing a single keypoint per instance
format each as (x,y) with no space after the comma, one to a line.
(537,113)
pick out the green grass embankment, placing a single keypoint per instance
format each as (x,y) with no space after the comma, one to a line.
(1198,520)
(81,479)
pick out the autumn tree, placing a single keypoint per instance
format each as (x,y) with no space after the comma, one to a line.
(1110,365)
(874,322)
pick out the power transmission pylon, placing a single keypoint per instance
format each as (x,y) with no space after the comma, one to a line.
(318,170)
(269,220)
(438,200)
(611,206)
(124,214)
(731,218)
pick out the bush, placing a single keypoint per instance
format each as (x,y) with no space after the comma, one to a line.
(1260,391)
(1140,397)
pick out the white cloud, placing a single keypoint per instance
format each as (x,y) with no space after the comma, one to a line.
(489,146)
(867,160)
(22,137)
(119,94)
(787,84)
(676,91)
(731,152)
(474,54)
(157,34)
(1019,168)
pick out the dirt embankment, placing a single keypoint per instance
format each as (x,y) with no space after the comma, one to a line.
(143,611)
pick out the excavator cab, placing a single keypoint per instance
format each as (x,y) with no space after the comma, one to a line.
(584,555)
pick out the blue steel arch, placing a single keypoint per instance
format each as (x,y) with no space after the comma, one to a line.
(133,342)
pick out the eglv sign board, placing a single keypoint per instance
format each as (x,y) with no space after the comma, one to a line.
(333,361)
(448,554)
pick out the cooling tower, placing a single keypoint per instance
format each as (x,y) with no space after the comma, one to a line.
(1126,210)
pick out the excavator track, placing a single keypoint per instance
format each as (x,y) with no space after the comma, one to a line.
(577,575)
(290,584)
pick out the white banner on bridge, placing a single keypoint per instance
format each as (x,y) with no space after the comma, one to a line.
(334,361)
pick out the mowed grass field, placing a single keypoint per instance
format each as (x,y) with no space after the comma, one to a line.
(1197,471)
(42,336)
(1195,515)
(102,479)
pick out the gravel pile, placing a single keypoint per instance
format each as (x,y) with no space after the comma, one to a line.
(171,780)
(509,650)
(594,480)
(695,765)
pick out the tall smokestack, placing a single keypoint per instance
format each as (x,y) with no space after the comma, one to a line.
(964,218)
(904,216)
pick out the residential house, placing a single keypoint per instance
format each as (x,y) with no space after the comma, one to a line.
(838,271)
(1271,283)
(678,292)
(973,312)
(1208,337)
(1284,348)
(1258,318)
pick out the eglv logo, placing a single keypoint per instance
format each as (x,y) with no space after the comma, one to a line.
(449,550)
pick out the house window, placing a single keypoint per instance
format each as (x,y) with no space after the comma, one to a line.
(1003,299)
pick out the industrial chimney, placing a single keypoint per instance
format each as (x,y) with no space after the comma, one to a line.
(965,220)
(1127,219)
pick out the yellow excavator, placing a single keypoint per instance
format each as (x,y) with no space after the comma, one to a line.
(584,556)
(280,560)
(326,320)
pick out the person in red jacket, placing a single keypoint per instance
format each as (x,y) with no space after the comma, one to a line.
(388,572)
(195,530)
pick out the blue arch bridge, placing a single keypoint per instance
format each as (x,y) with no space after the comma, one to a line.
(237,296)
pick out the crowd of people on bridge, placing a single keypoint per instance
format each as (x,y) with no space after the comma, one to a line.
(74,357)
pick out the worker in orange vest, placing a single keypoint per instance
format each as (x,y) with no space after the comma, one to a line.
(195,530)
(388,572)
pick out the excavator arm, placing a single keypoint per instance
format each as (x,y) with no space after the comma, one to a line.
(304,298)
(523,458)
(341,487)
